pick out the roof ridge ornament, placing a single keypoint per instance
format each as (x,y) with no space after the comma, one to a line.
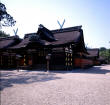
(15,31)
(61,25)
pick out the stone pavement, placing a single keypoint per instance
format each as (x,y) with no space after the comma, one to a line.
(76,87)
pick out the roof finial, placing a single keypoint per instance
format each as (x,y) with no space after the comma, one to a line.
(61,25)
(15,31)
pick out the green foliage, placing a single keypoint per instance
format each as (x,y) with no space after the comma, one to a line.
(3,34)
(102,49)
(5,18)
(105,53)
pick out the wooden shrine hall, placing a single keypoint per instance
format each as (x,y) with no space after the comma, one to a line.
(49,49)
(7,57)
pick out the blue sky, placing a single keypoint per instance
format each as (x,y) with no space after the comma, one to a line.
(93,15)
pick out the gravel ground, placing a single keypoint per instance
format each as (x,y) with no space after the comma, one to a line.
(76,87)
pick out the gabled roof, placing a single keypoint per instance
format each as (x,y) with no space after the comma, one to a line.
(65,38)
(60,37)
(93,52)
(69,29)
(23,43)
(8,42)
(45,34)
(27,43)
(68,35)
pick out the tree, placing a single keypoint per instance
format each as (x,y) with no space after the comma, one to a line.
(5,18)
(105,53)
(3,34)
(102,49)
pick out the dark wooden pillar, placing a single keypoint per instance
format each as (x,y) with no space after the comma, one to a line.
(48,57)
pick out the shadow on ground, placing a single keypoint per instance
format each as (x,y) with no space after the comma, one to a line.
(8,79)
(91,70)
